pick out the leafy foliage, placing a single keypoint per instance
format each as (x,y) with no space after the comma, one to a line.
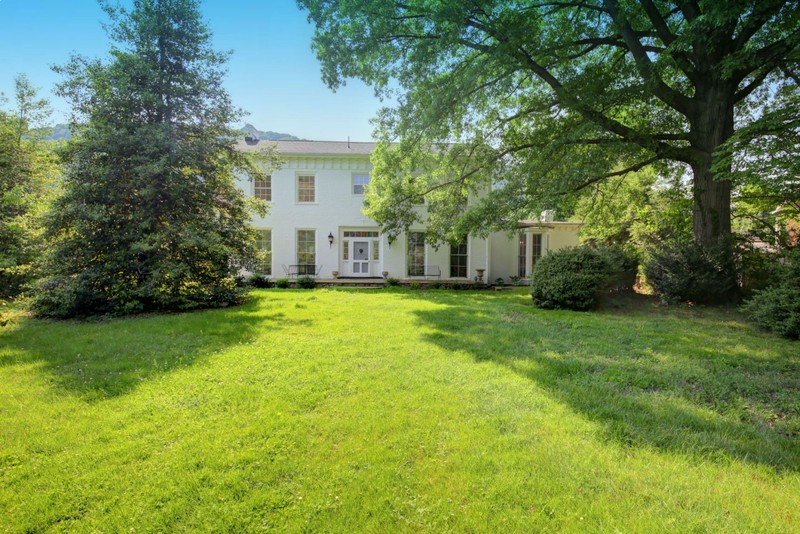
(151,218)
(777,307)
(690,272)
(763,157)
(547,98)
(28,170)
(282,283)
(635,211)
(570,278)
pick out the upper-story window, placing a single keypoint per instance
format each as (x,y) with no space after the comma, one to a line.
(359,181)
(306,189)
(263,189)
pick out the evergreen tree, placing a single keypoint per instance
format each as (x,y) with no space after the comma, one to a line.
(151,218)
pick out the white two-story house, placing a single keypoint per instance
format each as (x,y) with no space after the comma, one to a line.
(315,225)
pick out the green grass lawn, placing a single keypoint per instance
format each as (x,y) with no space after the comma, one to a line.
(386,411)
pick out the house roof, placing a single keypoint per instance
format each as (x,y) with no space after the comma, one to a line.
(528,223)
(312,148)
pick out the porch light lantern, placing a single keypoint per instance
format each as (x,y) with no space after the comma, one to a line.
(330,239)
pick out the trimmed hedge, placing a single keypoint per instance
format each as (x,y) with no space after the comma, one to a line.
(571,278)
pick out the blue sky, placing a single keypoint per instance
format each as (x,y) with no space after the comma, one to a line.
(273,74)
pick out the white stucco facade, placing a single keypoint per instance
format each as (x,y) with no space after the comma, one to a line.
(315,196)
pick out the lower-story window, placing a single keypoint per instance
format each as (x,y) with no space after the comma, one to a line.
(458,260)
(306,251)
(522,256)
(264,247)
(416,254)
(536,249)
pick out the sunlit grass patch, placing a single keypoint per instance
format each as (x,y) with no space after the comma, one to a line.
(400,410)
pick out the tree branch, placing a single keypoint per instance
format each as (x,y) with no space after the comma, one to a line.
(632,168)
(664,92)
(664,33)
(754,84)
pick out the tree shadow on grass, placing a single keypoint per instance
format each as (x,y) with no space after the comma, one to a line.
(107,358)
(686,381)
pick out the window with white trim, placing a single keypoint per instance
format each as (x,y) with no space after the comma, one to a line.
(306,251)
(306,188)
(359,181)
(536,249)
(264,247)
(522,257)
(458,260)
(416,254)
(263,189)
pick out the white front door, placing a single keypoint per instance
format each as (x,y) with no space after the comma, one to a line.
(360,259)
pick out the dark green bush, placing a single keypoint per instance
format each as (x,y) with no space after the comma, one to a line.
(777,308)
(258,281)
(570,278)
(306,282)
(690,272)
(391,282)
(282,283)
(758,269)
(624,266)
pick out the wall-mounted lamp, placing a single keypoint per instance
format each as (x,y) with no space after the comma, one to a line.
(330,239)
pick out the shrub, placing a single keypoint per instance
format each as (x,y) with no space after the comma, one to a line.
(415,285)
(570,278)
(282,283)
(777,308)
(690,272)
(391,282)
(306,282)
(258,281)
(624,265)
(499,282)
(758,269)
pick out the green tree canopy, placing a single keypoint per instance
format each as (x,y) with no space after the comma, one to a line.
(546,97)
(151,217)
(27,173)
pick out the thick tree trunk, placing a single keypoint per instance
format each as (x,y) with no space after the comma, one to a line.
(711,212)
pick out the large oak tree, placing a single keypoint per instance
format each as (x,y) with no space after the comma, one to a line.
(549,96)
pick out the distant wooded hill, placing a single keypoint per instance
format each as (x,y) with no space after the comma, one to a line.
(61,131)
(249,129)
